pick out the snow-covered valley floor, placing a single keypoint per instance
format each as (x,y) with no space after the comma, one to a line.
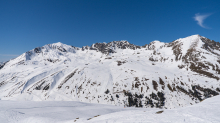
(70,111)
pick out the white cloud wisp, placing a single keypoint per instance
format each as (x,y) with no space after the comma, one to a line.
(200,19)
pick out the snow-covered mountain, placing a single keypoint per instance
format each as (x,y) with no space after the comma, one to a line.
(164,75)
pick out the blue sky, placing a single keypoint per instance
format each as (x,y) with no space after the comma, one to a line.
(26,24)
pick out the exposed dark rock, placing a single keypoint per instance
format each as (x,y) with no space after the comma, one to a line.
(107,91)
(155,100)
(200,68)
(120,62)
(210,45)
(155,85)
(3,64)
(37,50)
(110,47)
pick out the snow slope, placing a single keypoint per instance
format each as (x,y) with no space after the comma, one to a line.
(71,111)
(205,112)
(162,75)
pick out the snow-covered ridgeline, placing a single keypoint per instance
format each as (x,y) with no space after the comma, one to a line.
(164,75)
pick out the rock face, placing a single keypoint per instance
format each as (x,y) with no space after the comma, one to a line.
(2,64)
(162,75)
(112,47)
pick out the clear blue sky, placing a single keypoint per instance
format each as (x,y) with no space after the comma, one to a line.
(26,24)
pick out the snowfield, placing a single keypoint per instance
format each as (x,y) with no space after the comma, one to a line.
(71,111)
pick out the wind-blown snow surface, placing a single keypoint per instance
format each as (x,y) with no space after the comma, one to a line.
(163,75)
(67,112)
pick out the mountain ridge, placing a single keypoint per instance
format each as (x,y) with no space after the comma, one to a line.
(163,75)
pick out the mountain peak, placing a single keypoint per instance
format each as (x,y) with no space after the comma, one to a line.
(58,44)
(188,38)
